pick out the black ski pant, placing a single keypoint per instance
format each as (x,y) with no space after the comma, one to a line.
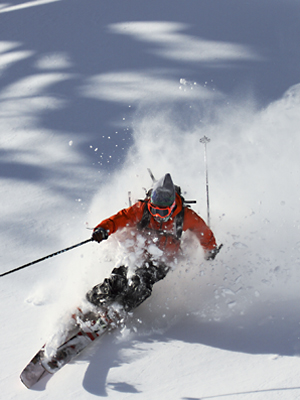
(130,293)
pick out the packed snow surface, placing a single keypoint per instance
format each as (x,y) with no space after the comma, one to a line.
(93,93)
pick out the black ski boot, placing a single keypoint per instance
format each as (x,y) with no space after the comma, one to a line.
(111,289)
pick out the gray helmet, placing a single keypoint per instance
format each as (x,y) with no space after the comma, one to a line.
(163,193)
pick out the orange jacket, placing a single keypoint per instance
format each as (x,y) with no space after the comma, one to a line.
(130,217)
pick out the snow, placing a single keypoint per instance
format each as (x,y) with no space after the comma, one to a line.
(92,94)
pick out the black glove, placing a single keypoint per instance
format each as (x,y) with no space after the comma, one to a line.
(211,254)
(99,234)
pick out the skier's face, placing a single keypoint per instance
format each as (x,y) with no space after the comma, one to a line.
(161,214)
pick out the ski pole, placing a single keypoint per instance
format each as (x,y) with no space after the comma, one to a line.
(46,257)
(151,175)
(206,140)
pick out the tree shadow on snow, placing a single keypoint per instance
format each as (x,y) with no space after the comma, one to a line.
(74,40)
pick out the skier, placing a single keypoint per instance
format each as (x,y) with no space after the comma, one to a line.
(160,218)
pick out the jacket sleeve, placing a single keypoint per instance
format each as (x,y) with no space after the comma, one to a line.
(127,217)
(196,224)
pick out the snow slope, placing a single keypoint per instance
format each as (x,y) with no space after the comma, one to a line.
(92,93)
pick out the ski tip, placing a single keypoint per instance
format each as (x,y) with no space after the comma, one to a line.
(34,371)
(30,380)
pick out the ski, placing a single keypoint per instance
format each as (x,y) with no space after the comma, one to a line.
(89,327)
(34,371)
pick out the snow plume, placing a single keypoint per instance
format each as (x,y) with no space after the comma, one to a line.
(254,194)
(254,199)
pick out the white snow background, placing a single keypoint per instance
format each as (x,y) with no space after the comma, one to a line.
(94,92)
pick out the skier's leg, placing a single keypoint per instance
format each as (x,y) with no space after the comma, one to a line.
(129,294)
(110,289)
(140,285)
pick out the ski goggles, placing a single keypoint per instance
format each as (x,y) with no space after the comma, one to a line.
(161,212)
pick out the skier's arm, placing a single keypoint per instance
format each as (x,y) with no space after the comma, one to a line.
(126,217)
(196,224)
(211,254)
